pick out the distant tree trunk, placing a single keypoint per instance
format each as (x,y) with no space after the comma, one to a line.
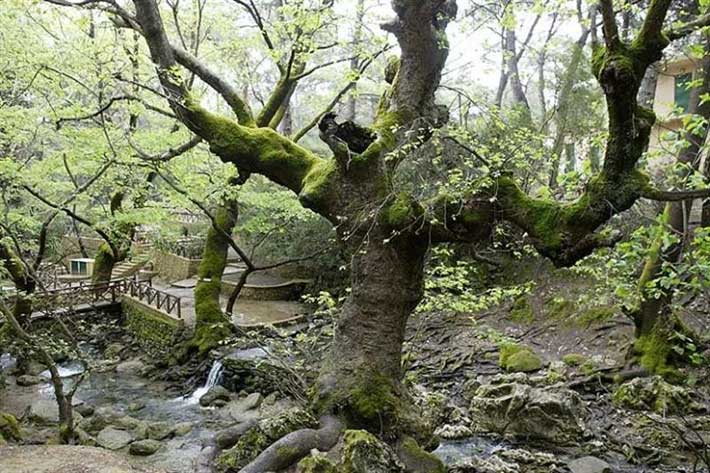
(654,319)
(647,92)
(67,431)
(510,73)
(571,157)
(564,104)
(351,105)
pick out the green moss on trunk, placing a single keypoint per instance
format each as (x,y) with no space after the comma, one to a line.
(104,261)
(212,325)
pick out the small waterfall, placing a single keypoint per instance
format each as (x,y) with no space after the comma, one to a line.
(213,379)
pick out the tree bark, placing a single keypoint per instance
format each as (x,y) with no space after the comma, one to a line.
(362,375)
(211,324)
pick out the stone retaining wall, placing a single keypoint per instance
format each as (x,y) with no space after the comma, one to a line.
(172,267)
(155,330)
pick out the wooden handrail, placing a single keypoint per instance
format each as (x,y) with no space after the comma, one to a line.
(110,292)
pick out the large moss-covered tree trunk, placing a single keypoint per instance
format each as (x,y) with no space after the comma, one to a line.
(361,377)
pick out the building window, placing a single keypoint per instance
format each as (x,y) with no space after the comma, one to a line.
(78,268)
(682,91)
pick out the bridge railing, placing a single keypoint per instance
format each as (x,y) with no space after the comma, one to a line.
(85,293)
(82,293)
(154,297)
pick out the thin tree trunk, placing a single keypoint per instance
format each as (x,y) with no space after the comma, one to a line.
(564,105)
(654,319)
(351,105)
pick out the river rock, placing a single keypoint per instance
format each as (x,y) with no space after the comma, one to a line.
(28,380)
(552,415)
(114,350)
(654,394)
(453,432)
(131,367)
(253,372)
(85,410)
(136,406)
(113,439)
(44,412)
(484,465)
(144,448)
(245,410)
(365,453)
(215,393)
(182,428)
(160,430)
(589,465)
(35,368)
(229,437)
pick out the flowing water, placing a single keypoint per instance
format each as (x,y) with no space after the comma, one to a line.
(139,398)
(213,379)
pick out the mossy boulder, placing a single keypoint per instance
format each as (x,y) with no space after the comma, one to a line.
(518,358)
(653,394)
(260,436)
(9,428)
(547,414)
(416,459)
(144,448)
(316,464)
(574,359)
(365,453)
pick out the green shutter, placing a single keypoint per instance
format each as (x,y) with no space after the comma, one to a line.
(682,91)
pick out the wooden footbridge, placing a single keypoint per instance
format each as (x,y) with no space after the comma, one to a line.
(84,297)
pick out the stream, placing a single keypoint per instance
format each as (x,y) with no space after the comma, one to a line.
(138,397)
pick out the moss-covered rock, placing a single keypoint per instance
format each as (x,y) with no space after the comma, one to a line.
(574,359)
(9,428)
(365,453)
(316,464)
(416,459)
(653,394)
(548,414)
(518,358)
(259,437)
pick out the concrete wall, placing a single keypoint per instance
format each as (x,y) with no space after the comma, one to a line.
(172,267)
(154,330)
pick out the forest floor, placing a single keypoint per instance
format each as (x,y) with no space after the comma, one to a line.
(572,405)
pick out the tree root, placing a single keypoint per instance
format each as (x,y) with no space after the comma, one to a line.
(607,376)
(292,447)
